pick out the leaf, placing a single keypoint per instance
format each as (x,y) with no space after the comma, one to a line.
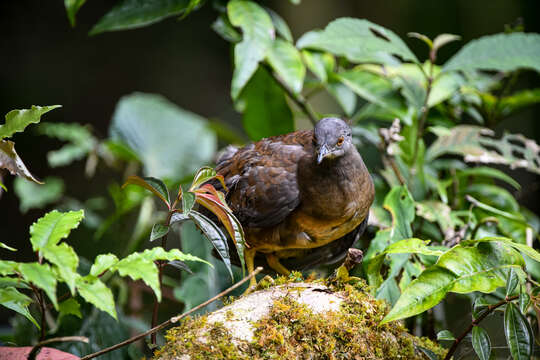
(224,28)
(16,301)
(345,97)
(33,196)
(280,25)
(8,267)
(477,144)
(368,86)
(481,343)
(10,160)
(42,277)
(65,258)
(501,52)
(320,64)
(172,143)
(188,200)
(512,282)
(53,227)
(154,185)
(158,253)
(444,39)
(18,120)
(180,265)
(266,112)
(96,293)
(524,302)
(4,246)
(132,14)
(137,266)
(103,263)
(488,172)
(158,231)
(422,37)
(72,7)
(527,250)
(216,237)
(518,333)
(205,174)
(258,34)
(80,142)
(358,40)
(69,307)
(445,335)
(287,62)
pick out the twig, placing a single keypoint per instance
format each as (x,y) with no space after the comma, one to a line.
(297,98)
(173,319)
(475,322)
(35,350)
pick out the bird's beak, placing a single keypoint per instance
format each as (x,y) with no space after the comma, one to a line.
(323,152)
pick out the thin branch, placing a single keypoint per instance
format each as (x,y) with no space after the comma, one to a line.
(475,322)
(298,99)
(35,350)
(173,319)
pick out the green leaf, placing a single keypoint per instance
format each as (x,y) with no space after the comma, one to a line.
(8,267)
(512,282)
(205,174)
(16,301)
(69,307)
(42,277)
(158,231)
(280,25)
(67,261)
(443,39)
(18,120)
(154,185)
(258,34)
(320,64)
(96,293)
(527,250)
(10,160)
(368,86)
(287,62)
(4,246)
(501,52)
(345,97)
(266,112)
(188,200)
(132,14)
(72,7)
(359,41)
(481,343)
(216,237)
(103,263)
(33,196)
(518,333)
(80,142)
(445,335)
(136,266)
(172,143)
(524,302)
(224,28)
(488,172)
(53,227)
(422,37)
(158,253)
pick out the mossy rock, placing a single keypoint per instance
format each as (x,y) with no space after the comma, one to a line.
(303,320)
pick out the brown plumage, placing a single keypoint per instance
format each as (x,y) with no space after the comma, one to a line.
(303,197)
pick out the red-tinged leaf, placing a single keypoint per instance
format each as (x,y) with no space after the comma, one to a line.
(220,197)
(156,186)
(205,174)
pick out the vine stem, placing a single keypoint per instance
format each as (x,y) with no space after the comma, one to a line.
(298,99)
(173,319)
(475,322)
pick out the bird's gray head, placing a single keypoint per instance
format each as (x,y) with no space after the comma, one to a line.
(332,139)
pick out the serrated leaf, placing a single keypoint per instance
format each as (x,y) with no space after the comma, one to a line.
(32,196)
(132,14)
(518,332)
(445,335)
(65,258)
(18,120)
(4,246)
(72,7)
(136,266)
(103,263)
(42,277)
(69,307)
(53,227)
(359,41)
(501,52)
(512,282)
(158,253)
(172,143)
(258,34)
(10,160)
(96,293)
(158,231)
(266,112)
(16,301)
(481,343)
(154,185)
(287,62)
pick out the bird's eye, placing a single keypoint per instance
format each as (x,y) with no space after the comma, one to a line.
(340,141)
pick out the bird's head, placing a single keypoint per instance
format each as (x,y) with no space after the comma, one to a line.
(332,139)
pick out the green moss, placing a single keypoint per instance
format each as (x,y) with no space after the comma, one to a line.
(291,331)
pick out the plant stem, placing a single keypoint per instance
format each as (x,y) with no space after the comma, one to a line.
(475,322)
(425,111)
(297,98)
(173,319)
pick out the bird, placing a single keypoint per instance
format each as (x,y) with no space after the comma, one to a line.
(302,198)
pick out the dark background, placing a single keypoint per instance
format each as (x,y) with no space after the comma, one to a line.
(43,61)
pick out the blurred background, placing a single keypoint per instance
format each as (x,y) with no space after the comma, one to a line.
(44,61)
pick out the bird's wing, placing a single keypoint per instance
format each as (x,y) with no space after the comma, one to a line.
(262,178)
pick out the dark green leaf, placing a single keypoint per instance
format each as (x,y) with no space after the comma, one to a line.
(512,282)
(154,185)
(358,40)
(132,14)
(69,307)
(17,120)
(96,293)
(488,172)
(172,143)
(180,265)
(53,227)
(72,7)
(158,231)
(524,302)
(286,61)
(16,301)
(481,343)
(430,354)
(266,112)
(33,196)
(42,277)
(480,306)
(258,34)
(10,160)
(527,250)
(518,333)
(501,52)
(445,335)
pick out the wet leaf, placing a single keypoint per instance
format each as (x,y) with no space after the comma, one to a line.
(481,343)
(445,335)
(512,282)
(518,333)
